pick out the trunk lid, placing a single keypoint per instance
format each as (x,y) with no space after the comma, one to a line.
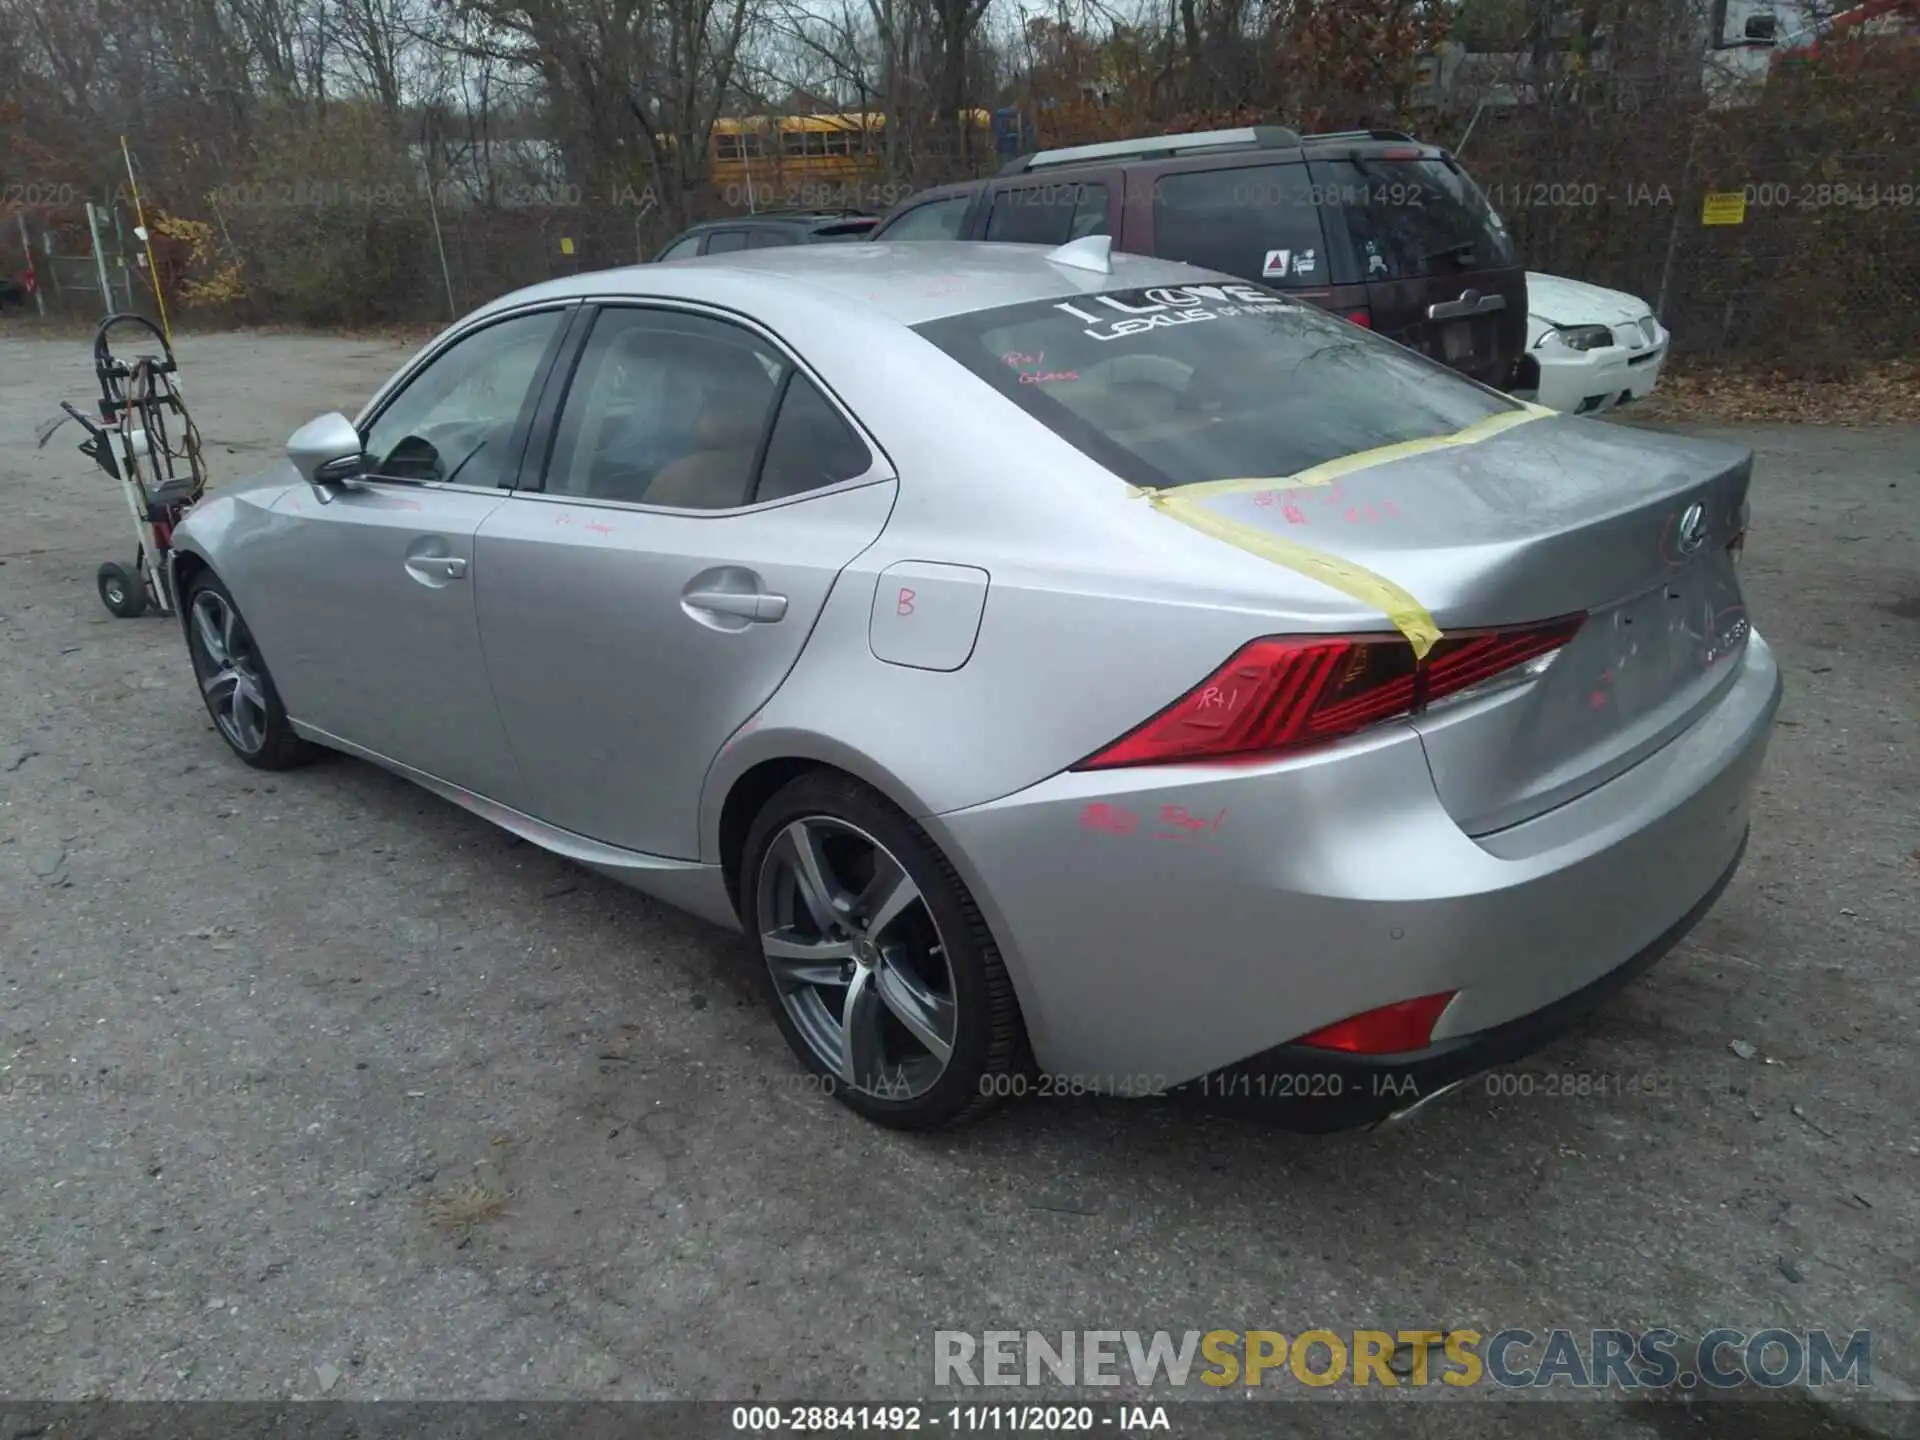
(1547,519)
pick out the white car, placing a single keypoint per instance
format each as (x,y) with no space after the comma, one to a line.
(1588,349)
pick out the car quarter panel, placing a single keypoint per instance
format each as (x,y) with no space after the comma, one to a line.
(1175,920)
(1098,610)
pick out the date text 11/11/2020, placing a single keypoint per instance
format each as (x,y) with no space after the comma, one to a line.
(898,1419)
(1331,1084)
(1505,1084)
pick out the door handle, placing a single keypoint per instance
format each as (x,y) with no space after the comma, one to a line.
(756,605)
(450,566)
(1471,302)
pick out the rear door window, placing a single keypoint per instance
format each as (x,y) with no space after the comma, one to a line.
(1050,214)
(766,239)
(1261,221)
(1180,384)
(721,241)
(1411,219)
(811,445)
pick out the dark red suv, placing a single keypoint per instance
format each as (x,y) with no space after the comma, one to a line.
(1370,224)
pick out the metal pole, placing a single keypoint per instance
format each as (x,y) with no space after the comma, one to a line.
(99,258)
(120,256)
(146,236)
(433,209)
(433,212)
(26,249)
(1470,124)
(1673,235)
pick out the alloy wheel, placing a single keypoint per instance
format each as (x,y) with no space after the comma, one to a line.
(229,670)
(857,958)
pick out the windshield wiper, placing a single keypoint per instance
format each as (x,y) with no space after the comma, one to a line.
(1461,250)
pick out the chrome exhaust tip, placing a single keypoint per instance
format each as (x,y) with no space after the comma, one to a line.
(1402,1116)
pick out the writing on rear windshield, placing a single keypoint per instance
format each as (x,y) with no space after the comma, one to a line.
(1132,312)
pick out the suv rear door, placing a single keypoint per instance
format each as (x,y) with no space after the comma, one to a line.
(1441,274)
(1262,220)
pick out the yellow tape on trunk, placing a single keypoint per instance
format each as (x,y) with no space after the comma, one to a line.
(1332,470)
(1408,615)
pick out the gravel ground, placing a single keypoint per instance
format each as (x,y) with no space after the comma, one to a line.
(313,1083)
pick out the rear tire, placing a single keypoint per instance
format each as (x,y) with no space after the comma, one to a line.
(877,964)
(123,593)
(235,683)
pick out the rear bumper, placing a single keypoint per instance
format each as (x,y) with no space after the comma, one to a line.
(1167,924)
(1321,1090)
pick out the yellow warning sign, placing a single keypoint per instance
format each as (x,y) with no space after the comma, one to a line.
(566,244)
(1726,207)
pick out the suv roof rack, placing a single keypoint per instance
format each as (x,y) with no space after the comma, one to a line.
(794,212)
(1246,137)
(1363,135)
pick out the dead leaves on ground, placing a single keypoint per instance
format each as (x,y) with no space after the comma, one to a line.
(459,1208)
(1885,393)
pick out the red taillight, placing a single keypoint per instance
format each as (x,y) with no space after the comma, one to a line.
(1283,694)
(1459,661)
(1390,1030)
(1362,318)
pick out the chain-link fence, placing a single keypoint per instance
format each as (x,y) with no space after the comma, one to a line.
(1786,232)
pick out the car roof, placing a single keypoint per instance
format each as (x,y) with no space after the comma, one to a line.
(785,217)
(1373,143)
(910,282)
(1225,157)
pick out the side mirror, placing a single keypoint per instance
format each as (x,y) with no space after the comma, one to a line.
(326,451)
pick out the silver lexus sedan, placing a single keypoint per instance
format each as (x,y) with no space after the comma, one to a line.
(1075,672)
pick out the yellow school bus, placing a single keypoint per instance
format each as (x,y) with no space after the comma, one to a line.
(810,151)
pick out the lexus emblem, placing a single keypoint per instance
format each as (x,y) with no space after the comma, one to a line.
(1693,528)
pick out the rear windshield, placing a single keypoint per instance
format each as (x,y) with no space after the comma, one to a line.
(1409,219)
(1258,220)
(1050,214)
(1179,384)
